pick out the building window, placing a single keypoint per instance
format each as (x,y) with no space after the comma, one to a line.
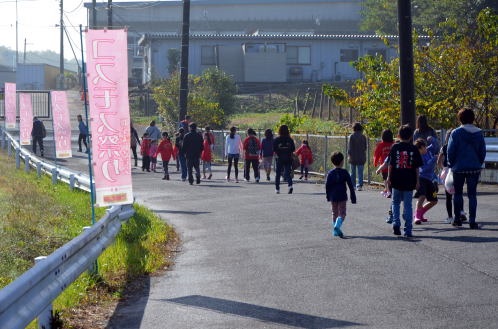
(298,55)
(264,48)
(377,52)
(349,55)
(208,55)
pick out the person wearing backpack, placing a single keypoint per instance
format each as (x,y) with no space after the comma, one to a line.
(252,147)
(38,133)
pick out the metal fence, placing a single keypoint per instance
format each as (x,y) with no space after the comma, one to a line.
(31,295)
(40,100)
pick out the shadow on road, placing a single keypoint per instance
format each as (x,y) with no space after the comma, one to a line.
(262,313)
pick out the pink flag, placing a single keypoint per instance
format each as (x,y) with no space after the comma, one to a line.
(10,105)
(62,124)
(25,118)
(107,76)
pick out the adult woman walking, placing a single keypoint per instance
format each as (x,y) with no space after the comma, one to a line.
(283,146)
(466,153)
(423,130)
(232,153)
(134,140)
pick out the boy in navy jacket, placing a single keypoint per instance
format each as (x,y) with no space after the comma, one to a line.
(335,188)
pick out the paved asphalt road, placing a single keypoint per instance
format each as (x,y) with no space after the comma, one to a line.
(253,259)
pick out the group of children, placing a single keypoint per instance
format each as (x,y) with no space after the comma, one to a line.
(150,149)
(405,166)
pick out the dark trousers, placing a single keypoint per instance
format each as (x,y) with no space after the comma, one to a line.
(193,164)
(134,151)
(146,162)
(247,168)
(285,168)
(82,138)
(39,141)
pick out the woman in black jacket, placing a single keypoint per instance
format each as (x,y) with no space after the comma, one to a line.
(284,147)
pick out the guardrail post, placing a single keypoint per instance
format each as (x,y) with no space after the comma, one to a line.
(92,269)
(45,317)
(18,158)
(72,180)
(26,163)
(9,149)
(3,139)
(39,168)
(54,176)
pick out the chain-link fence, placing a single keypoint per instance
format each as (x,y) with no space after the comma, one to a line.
(321,146)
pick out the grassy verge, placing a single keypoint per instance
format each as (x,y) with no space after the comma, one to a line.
(37,217)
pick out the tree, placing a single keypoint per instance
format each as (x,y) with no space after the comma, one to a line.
(452,71)
(211,97)
(174,56)
(381,15)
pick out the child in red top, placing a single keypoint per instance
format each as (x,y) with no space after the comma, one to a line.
(305,158)
(252,147)
(207,155)
(381,153)
(144,151)
(165,149)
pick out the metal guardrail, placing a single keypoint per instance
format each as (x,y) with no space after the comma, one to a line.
(74,179)
(31,295)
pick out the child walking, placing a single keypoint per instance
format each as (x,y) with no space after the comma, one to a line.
(335,188)
(165,149)
(267,152)
(381,153)
(427,188)
(305,158)
(404,161)
(153,155)
(144,152)
(442,163)
(207,155)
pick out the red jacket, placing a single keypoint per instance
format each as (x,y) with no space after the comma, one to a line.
(165,148)
(305,155)
(145,147)
(207,154)
(251,154)
(381,152)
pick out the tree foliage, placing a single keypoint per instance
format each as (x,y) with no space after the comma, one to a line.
(452,71)
(211,98)
(381,15)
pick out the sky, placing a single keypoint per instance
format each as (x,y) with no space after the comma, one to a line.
(36,24)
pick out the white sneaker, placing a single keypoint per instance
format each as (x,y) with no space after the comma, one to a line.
(448,220)
(359,188)
(277,191)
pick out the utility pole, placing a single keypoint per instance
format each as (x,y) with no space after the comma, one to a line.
(61,63)
(406,75)
(94,14)
(109,14)
(184,61)
(17,37)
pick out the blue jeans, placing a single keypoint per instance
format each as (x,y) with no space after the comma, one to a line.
(359,169)
(286,168)
(406,197)
(458,181)
(183,165)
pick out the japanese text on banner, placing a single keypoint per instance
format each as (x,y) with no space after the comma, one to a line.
(107,65)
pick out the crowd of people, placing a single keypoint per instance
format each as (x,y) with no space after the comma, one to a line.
(409,163)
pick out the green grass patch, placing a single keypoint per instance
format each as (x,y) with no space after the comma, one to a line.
(255,120)
(37,217)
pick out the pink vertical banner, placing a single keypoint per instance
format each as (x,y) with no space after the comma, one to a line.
(107,76)
(25,118)
(62,124)
(10,105)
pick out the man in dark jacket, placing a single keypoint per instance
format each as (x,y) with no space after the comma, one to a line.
(38,133)
(192,146)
